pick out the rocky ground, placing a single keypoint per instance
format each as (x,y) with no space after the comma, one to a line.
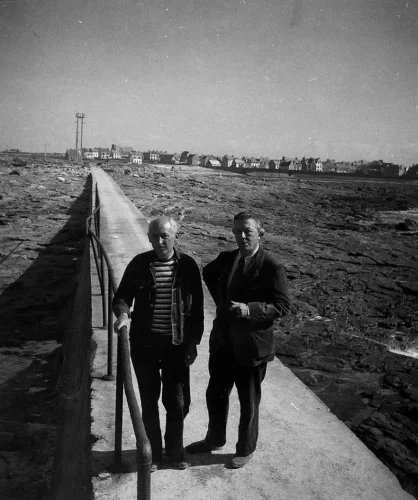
(349,247)
(42,214)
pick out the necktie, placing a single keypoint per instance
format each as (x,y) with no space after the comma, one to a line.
(239,271)
(237,277)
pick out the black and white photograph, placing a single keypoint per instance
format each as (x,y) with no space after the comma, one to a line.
(208,249)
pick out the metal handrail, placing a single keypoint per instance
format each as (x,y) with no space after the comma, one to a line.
(123,371)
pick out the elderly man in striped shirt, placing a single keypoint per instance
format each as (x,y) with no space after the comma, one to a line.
(166,325)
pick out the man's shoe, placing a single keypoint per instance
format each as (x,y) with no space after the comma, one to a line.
(181,465)
(238,462)
(201,447)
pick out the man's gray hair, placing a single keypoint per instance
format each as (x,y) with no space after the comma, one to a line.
(164,219)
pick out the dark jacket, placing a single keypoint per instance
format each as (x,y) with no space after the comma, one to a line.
(138,284)
(263,288)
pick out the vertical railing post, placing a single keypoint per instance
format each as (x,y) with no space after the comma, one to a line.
(104,302)
(96,260)
(143,485)
(97,227)
(119,406)
(96,222)
(109,375)
(144,452)
(98,212)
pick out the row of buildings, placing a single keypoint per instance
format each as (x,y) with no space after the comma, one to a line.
(284,164)
(126,153)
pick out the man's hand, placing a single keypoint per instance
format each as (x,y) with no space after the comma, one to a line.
(190,354)
(123,320)
(239,309)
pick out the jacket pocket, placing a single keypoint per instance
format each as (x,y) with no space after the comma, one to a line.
(262,343)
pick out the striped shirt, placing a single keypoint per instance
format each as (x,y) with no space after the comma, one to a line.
(164,274)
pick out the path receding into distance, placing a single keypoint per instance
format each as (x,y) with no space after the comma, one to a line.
(304,452)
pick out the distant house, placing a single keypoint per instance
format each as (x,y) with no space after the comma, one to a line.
(287,165)
(183,157)
(71,154)
(125,151)
(318,165)
(274,164)
(412,172)
(403,170)
(115,152)
(193,159)
(104,153)
(264,162)
(251,162)
(170,158)
(238,163)
(296,164)
(227,161)
(204,159)
(213,162)
(254,163)
(312,164)
(136,158)
(153,156)
(339,167)
(392,170)
(381,168)
(91,153)
(176,158)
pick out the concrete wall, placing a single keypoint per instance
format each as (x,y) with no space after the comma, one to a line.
(70,472)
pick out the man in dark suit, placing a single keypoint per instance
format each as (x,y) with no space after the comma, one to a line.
(250,291)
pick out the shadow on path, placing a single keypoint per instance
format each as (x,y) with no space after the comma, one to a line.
(104,461)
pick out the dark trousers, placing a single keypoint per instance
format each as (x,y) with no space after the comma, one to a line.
(224,372)
(157,364)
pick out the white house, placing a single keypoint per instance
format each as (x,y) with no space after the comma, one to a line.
(213,162)
(136,158)
(91,153)
(115,153)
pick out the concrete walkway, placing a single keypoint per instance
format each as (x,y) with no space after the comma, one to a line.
(304,451)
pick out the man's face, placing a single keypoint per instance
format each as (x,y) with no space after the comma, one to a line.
(162,239)
(246,235)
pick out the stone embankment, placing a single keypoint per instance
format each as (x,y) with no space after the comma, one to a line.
(42,233)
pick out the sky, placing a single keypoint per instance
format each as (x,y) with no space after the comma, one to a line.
(333,79)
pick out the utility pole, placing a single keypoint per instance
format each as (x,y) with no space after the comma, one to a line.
(81,135)
(79,116)
(76,139)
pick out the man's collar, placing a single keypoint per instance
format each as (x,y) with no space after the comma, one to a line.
(174,255)
(246,257)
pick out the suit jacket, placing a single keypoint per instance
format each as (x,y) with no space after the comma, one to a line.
(263,287)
